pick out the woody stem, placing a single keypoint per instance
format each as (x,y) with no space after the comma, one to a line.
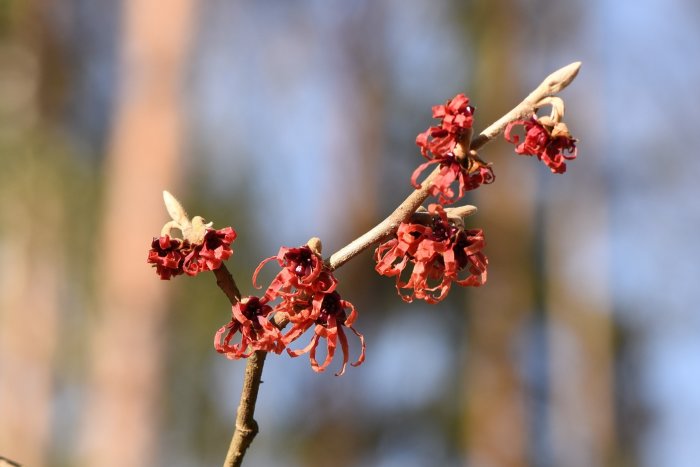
(551,85)
(246,427)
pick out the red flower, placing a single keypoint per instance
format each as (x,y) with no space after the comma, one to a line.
(302,283)
(547,142)
(165,254)
(302,269)
(440,253)
(456,118)
(470,172)
(214,249)
(439,144)
(329,325)
(250,319)
(172,256)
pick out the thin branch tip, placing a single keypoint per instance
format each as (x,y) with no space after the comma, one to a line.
(561,78)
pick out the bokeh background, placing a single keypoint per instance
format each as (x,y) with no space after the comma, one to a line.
(292,119)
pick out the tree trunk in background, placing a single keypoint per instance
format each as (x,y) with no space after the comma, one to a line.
(580,329)
(29,298)
(495,418)
(32,210)
(357,133)
(121,420)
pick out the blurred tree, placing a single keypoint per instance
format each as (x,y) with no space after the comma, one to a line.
(496,418)
(33,210)
(121,420)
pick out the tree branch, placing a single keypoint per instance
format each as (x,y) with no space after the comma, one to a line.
(551,85)
(246,427)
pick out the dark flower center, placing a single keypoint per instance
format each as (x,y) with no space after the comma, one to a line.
(443,230)
(213,242)
(252,308)
(302,258)
(331,307)
(461,256)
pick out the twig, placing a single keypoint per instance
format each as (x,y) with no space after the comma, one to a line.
(246,427)
(552,84)
(225,281)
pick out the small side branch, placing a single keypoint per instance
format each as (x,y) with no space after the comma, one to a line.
(246,426)
(551,85)
(228,286)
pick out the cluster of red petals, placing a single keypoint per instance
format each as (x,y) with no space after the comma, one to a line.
(166,255)
(438,143)
(470,173)
(548,144)
(456,117)
(171,256)
(306,290)
(251,319)
(439,254)
(333,315)
(302,271)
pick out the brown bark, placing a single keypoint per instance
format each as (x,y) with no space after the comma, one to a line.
(32,208)
(496,424)
(28,323)
(580,339)
(121,420)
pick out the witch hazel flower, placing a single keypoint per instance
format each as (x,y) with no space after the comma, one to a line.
(427,258)
(251,320)
(302,270)
(447,145)
(200,249)
(165,254)
(335,315)
(547,138)
(306,290)
(456,118)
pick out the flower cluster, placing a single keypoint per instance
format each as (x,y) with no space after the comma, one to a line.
(447,146)
(427,258)
(173,256)
(547,141)
(251,318)
(307,296)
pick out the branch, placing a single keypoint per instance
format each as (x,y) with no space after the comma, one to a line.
(246,427)
(551,85)
(225,281)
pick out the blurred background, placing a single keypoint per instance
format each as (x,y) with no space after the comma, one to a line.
(292,119)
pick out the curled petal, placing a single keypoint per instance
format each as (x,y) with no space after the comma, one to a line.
(443,253)
(552,144)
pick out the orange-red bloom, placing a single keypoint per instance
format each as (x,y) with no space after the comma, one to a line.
(306,290)
(441,253)
(548,143)
(329,324)
(470,173)
(302,269)
(214,249)
(456,117)
(166,256)
(439,143)
(171,256)
(251,320)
